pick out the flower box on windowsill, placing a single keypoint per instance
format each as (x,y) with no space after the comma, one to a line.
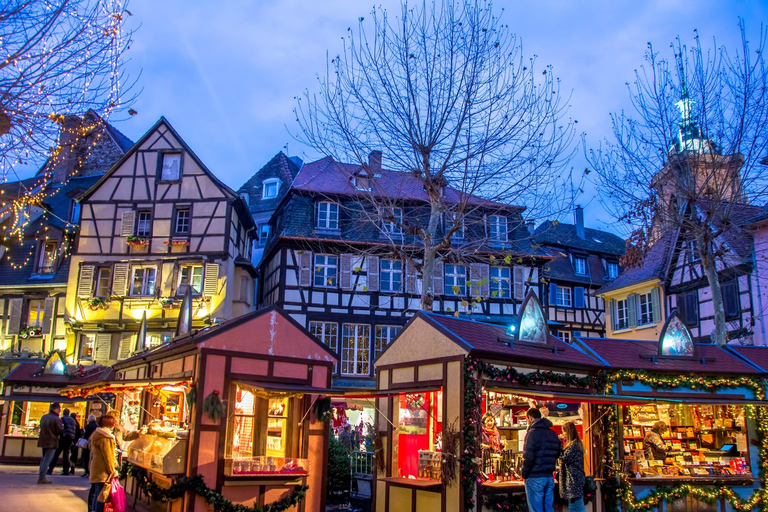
(96,303)
(176,243)
(136,241)
(169,302)
(266,467)
(30,332)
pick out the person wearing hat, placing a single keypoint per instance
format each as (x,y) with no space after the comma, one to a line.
(653,445)
(51,428)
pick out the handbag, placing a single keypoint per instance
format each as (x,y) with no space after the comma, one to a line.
(82,443)
(117,496)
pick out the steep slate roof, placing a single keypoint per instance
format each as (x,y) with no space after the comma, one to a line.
(626,355)
(281,167)
(325,176)
(735,233)
(654,265)
(57,206)
(482,338)
(564,235)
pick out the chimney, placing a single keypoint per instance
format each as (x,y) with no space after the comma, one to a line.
(65,163)
(531,227)
(578,215)
(374,162)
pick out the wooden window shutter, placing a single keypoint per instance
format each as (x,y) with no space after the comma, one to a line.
(373,273)
(345,272)
(305,268)
(485,280)
(438,279)
(632,309)
(211,282)
(478,279)
(85,284)
(578,297)
(518,282)
(128,225)
(103,348)
(410,277)
(126,342)
(656,305)
(48,314)
(612,312)
(14,316)
(552,294)
(120,280)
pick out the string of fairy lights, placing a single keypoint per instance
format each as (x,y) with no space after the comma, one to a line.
(80,137)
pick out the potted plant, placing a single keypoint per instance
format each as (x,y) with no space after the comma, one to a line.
(136,240)
(96,303)
(176,242)
(30,332)
(167,302)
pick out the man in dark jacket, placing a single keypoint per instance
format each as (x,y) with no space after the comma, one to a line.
(541,450)
(66,439)
(51,427)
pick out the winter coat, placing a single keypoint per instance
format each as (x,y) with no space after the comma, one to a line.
(541,449)
(654,447)
(572,475)
(103,460)
(89,429)
(70,427)
(50,430)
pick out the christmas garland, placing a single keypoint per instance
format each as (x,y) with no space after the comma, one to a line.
(619,491)
(322,408)
(474,370)
(757,386)
(214,407)
(505,502)
(196,484)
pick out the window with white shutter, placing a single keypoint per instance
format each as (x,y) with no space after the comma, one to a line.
(120,280)
(14,316)
(438,281)
(372,269)
(410,277)
(128,224)
(48,314)
(103,347)
(211,283)
(126,345)
(519,282)
(305,268)
(478,279)
(85,284)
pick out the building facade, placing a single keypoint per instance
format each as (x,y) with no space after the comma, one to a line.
(40,218)
(352,278)
(585,259)
(159,224)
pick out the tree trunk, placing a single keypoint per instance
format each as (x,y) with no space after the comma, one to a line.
(430,255)
(720,333)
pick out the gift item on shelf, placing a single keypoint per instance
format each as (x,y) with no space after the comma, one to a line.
(164,455)
(265,465)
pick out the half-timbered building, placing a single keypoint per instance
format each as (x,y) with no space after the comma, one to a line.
(39,218)
(340,270)
(157,225)
(672,277)
(585,260)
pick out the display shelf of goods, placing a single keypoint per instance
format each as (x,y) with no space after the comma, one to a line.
(164,455)
(266,466)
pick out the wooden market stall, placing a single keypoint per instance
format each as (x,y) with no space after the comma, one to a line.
(28,391)
(233,404)
(442,378)
(706,402)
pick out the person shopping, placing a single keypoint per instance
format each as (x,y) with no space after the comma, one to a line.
(103,467)
(50,431)
(65,442)
(86,453)
(541,450)
(572,475)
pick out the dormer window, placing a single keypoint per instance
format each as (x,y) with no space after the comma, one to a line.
(613,270)
(327,215)
(580,265)
(47,257)
(362,181)
(270,188)
(497,228)
(170,167)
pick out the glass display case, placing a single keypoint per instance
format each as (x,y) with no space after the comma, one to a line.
(266,466)
(164,455)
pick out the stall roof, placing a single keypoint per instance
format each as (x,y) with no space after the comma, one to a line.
(757,356)
(482,338)
(636,355)
(25,373)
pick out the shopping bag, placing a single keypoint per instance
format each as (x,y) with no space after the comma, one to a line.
(82,443)
(109,507)
(117,496)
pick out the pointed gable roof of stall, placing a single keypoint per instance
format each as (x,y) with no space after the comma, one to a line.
(269,331)
(478,339)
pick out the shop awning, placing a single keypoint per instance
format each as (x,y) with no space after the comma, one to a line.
(275,387)
(48,399)
(567,397)
(111,386)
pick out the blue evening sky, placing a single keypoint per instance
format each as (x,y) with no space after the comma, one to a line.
(225,73)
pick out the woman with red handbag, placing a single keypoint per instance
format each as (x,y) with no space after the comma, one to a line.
(103,464)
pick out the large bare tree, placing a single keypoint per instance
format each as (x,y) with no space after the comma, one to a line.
(691,152)
(446,93)
(58,58)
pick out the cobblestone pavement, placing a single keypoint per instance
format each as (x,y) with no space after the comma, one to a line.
(19,491)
